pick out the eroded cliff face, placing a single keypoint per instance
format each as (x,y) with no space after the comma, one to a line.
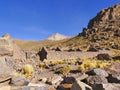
(105,25)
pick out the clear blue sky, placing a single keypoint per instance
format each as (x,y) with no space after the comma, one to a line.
(38,19)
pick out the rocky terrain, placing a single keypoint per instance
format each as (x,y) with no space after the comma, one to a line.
(88,61)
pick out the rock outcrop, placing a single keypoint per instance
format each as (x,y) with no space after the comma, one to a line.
(106,24)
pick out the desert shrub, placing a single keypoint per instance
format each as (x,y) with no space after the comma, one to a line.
(27,71)
(42,65)
(65,70)
(90,64)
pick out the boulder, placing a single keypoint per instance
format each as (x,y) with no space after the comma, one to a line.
(68,80)
(78,50)
(104,56)
(9,48)
(57,49)
(66,84)
(96,80)
(4,80)
(92,49)
(6,66)
(6,47)
(78,85)
(19,81)
(97,71)
(115,78)
(71,50)
(23,88)
(42,54)
(108,86)
(115,46)
(54,80)
(113,69)
(111,86)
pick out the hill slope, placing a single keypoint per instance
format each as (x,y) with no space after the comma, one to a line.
(103,30)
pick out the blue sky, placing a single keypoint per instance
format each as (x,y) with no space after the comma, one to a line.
(38,19)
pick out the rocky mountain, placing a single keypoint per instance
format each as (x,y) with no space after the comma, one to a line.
(104,25)
(57,36)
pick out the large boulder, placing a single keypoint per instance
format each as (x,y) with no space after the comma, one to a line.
(42,54)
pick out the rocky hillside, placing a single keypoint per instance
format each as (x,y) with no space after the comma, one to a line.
(57,36)
(105,25)
(103,31)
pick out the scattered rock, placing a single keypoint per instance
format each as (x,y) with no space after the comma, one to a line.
(108,86)
(54,80)
(97,71)
(78,50)
(57,49)
(113,69)
(116,58)
(68,80)
(115,78)
(19,81)
(104,56)
(96,80)
(92,48)
(71,50)
(5,69)
(78,85)
(115,46)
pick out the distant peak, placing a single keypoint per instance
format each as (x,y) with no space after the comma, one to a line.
(6,35)
(57,36)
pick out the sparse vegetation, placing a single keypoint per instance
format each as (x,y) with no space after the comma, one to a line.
(27,71)
(65,70)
